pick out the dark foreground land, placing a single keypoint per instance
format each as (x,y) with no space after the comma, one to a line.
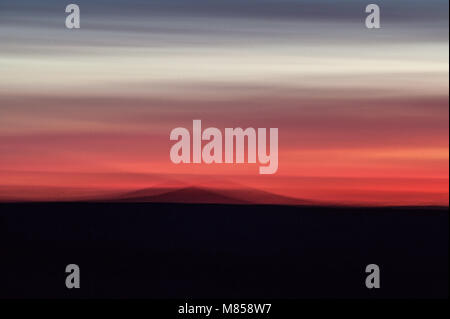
(149,250)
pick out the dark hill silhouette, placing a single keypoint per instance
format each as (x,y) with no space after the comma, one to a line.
(183,195)
(199,195)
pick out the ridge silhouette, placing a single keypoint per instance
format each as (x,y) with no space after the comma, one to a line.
(200,195)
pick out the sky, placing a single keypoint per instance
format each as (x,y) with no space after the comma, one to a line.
(362,114)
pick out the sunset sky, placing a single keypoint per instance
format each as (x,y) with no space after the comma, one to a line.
(362,114)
